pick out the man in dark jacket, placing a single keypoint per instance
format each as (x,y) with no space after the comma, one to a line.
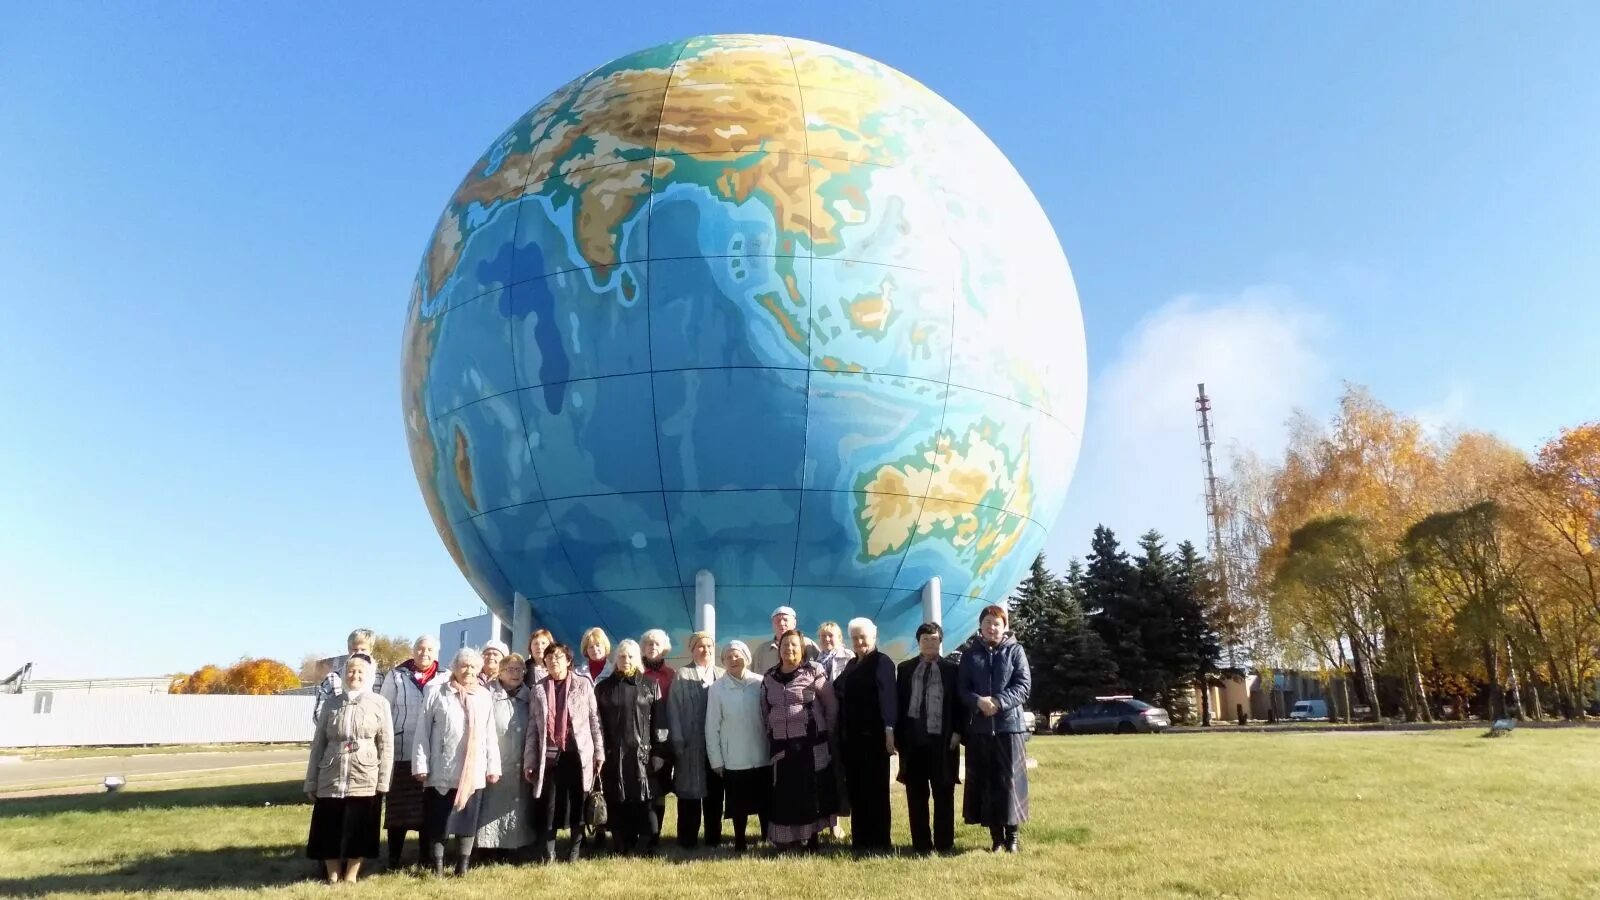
(927,738)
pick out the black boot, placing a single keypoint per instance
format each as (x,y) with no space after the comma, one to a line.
(997,839)
(1013,839)
(397,846)
(464,856)
(436,850)
(547,852)
(574,850)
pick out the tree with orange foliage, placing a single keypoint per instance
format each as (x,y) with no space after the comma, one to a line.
(247,676)
(260,676)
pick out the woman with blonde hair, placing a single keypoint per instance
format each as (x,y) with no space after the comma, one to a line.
(352,753)
(736,742)
(634,723)
(699,789)
(595,648)
(455,757)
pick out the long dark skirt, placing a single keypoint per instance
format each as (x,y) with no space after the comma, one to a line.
(746,792)
(804,790)
(560,803)
(403,806)
(344,828)
(997,780)
(441,819)
(866,775)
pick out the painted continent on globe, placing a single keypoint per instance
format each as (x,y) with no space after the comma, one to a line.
(753,305)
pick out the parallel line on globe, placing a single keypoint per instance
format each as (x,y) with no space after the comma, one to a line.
(546,500)
(934,381)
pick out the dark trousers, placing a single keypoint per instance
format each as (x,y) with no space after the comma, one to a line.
(632,824)
(560,803)
(866,776)
(691,812)
(922,770)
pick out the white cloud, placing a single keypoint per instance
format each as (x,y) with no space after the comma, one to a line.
(1259,354)
(1446,415)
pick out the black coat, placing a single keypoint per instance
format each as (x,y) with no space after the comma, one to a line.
(912,741)
(633,721)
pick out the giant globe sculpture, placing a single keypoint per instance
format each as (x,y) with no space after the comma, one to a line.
(750,305)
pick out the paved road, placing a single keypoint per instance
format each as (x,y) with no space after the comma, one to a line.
(20,776)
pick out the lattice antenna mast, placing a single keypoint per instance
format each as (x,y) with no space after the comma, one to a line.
(1214,520)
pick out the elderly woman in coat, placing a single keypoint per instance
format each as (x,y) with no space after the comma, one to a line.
(928,739)
(565,748)
(505,821)
(799,711)
(736,742)
(634,722)
(994,681)
(456,756)
(352,753)
(698,788)
(406,688)
(867,711)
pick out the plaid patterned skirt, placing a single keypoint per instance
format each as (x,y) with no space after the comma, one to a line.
(997,780)
(403,804)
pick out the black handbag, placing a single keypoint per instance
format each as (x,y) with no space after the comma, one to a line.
(594,811)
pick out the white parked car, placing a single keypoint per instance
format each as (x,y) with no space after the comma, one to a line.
(1308,710)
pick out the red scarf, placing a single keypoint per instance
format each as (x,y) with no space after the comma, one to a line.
(556,712)
(420,676)
(596,666)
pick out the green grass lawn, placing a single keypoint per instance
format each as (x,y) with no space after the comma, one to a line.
(1437,814)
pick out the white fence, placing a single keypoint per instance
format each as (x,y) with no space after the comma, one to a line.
(75,718)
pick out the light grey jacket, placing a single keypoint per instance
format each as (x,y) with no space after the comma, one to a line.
(736,738)
(686,727)
(505,820)
(439,748)
(352,751)
(405,707)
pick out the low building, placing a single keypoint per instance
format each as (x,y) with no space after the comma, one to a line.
(474,632)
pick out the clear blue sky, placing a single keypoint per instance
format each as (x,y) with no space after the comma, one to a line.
(212,218)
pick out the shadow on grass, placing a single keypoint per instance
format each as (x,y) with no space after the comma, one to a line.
(226,867)
(233,795)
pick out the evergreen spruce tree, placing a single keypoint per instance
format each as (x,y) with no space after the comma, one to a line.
(1112,606)
(1086,670)
(1156,615)
(1199,644)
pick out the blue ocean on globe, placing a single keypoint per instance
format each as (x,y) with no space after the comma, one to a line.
(750,305)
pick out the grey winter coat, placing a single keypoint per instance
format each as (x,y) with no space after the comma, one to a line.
(505,820)
(352,751)
(439,749)
(686,726)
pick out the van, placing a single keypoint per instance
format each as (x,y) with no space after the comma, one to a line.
(1307,710)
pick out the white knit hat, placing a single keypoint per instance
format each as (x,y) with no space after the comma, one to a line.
(499,646)
(741,648)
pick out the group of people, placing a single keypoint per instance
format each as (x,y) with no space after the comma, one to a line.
(500,752)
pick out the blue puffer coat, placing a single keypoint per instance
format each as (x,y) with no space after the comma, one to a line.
(1002,673)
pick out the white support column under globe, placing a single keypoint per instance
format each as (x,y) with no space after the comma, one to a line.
(705,603)
(521,623)
(932,605)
